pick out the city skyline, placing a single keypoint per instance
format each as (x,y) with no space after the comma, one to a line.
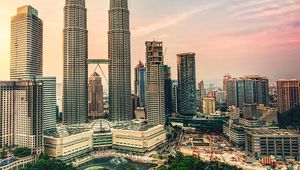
(262,40)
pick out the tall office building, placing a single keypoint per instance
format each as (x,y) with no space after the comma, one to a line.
(120,106)
(187,99)
(140,83)
(28,115)
(155,83)
(26,44)
(168,90)
(95,96)
(288,94)
(240,92)
(225,82)
(49,100)
(175,96)
(200,94)
(252,89)
(232,92)
(75,98)
(7,113)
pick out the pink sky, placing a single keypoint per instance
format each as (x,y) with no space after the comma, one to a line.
(237,37)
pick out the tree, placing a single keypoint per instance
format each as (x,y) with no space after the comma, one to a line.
(45,163)
(181,162)
(3,154)
(22,152)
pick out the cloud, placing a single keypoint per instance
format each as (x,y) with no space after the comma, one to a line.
(167,22)
(271,8)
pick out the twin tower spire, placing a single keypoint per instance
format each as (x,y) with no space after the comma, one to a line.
(75,75)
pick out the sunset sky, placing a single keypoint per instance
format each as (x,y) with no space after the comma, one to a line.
(228,36)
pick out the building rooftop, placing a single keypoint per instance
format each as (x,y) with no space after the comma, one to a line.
(134,127)
(274,132)
(61,132)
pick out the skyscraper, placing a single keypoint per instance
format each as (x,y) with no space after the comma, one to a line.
(225,82)
(155,83)
(139,83)
(120,105)
(288,94)
(168,90)
(200,94)
(75,99)
(49,102)
(253,89)
(175,96)
(26,45)
(187,99)
(240,92)
(95,96)
(28,115)
(232,92)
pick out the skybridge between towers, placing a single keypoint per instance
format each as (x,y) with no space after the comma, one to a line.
(98,63)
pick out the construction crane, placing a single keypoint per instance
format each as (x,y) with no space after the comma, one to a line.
(166,50)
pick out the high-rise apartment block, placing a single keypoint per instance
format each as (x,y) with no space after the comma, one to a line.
(120,106)
(26,45)
(75,98)
(7,113)
(29,115)
(288,94)
(49,100)
(21,114)
(187,99)
(95,96)
(140,83)
(155,83)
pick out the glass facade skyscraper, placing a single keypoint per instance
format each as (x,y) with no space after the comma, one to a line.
(187,99)
(49,102)
(120,106)
(75,99)
(252,89)
(140,83)
(168,90)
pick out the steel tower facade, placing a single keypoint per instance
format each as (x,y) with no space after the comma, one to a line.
(120,106)
(75,86)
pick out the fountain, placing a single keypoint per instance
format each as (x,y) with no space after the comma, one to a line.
(118,161)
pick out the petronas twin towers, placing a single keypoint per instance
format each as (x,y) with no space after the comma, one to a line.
(75,62)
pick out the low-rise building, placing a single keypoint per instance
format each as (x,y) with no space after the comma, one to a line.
(267,142)
(102,136)
(67,143)
(138,138)
(204,122)
(234,130)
